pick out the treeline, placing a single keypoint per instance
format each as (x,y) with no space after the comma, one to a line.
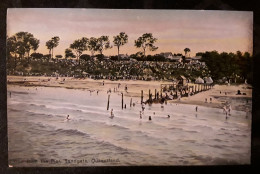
(23,43)
(236,67)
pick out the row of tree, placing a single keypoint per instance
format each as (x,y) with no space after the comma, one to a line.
(23,42)
(229,66)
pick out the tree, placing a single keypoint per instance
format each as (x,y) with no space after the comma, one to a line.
(92,45)
(103,43)
(186,50)
(146,41)
(120,40)
(69,53)
(58,56)
(37,55)
(85,57)
(21,43)
(79,46)
(51,44)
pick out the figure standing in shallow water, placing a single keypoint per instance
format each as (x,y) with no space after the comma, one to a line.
(112,114)
(196,108)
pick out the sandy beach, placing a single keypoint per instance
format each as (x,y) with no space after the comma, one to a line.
(220,94)
(38,107)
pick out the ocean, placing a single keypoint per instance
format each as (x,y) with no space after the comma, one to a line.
(40,136)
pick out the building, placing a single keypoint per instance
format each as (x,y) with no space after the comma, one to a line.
(123,56)
(182,80)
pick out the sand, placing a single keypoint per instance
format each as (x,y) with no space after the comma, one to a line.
(134,88)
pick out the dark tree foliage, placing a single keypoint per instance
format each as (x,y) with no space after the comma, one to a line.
(231,66)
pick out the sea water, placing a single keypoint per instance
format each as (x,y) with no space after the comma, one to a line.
(40,135)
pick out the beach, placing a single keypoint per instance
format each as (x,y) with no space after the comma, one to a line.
(40,135)
(134,88)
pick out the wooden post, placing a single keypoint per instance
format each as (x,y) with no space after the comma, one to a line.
(131,102)
(142,96)
(122,101)
(155,93)
(108,102)
(195,88)
(149,94)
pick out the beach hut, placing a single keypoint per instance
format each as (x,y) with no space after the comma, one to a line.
(199,80)
(182,80)
(208,80)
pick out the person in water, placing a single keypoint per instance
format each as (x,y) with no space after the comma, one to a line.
(141,115)
(112,114)
(169,116)
(68,117)
(150,118)
(196,108)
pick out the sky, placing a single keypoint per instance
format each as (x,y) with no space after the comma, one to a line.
(175,30)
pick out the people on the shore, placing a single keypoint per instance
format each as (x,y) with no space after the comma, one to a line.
(103,82)
(150,118)
(169,116)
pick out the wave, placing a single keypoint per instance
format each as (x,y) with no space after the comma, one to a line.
(203,127)
(13,110)
(69,132)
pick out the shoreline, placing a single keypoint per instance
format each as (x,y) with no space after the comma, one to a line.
(219,94)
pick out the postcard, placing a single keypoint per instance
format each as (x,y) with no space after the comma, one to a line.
(125,87)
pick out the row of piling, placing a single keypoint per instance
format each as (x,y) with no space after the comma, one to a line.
(182,91)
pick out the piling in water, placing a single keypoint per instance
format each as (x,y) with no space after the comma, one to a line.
(122,101)
(108,102)
(142,96)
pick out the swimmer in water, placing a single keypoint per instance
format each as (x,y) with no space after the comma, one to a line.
(150,118)
(68,117)
(169,116)
(112,114)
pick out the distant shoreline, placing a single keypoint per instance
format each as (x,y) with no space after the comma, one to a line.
(134,88)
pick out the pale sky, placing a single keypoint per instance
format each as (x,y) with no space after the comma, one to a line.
(175,30)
